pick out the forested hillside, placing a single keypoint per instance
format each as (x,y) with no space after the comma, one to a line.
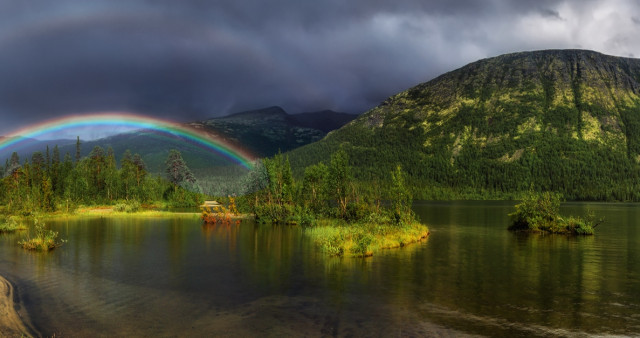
(559,120)
(50,182)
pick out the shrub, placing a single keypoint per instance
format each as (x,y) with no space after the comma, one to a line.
(132,206)
(357,211)
(120,207)
(362,241)
(127,206)
(536,211)
(11,224)
(302,216)
(541,212)
(44,239)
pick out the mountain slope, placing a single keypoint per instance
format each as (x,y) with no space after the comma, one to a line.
(266,131)
(562,120)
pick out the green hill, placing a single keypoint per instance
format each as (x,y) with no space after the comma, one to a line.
(560,120)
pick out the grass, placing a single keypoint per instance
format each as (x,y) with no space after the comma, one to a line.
(11,225)
(363,239)
(44,239)
(127,206)
(118,211)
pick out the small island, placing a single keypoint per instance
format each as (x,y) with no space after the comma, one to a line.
(342,217)
(540,212)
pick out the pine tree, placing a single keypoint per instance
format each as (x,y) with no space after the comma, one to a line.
(13,165)
(141,168)
(177,170)
(97,167)
(48,159)
(111,175)
(55,170)
(78,149)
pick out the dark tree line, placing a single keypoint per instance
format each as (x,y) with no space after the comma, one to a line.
(49,182)
(325,191)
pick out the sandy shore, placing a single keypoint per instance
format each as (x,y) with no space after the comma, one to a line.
(11,325)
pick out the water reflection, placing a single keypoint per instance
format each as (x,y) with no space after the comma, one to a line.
(178,277)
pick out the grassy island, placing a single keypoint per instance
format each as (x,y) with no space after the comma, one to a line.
(342,217)
(363,239)
(540,212)
(44,239)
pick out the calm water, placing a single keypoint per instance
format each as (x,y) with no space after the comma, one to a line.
(173,277)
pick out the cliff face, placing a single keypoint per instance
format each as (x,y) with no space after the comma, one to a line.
(564,120)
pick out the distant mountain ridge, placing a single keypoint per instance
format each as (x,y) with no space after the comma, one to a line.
(263,132)
(269,130)
(560,120)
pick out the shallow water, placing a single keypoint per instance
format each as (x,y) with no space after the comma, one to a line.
(172,277)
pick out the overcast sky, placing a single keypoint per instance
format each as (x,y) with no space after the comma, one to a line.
(195,59)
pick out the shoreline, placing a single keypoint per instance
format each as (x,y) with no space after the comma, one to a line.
(11,323)
(108,211)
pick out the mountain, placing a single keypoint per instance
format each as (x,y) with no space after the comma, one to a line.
(561,120)
(325,120)
(266,131)
(262,132)
(26,147)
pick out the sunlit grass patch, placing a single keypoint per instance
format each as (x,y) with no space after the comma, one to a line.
(337,238)
(11,224)
(44,239)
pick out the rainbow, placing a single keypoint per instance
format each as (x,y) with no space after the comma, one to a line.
(132,121)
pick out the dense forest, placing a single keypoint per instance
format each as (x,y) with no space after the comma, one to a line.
(50,182)
(566,121)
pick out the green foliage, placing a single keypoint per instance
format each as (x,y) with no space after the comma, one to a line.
(177,171)
(401,197)
(274,203)
(314,187)
(356,211)
(536,211)
(365,238)
(491,129)
(343,219)
(43,240)
(340,181)
(301,216)
(540,212)
(47,184)
(362,241)
(11,224)
(127,206)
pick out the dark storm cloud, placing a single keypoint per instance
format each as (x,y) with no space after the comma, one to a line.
(549,13)
(193,59)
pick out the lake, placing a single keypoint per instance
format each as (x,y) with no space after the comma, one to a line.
(176,277)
